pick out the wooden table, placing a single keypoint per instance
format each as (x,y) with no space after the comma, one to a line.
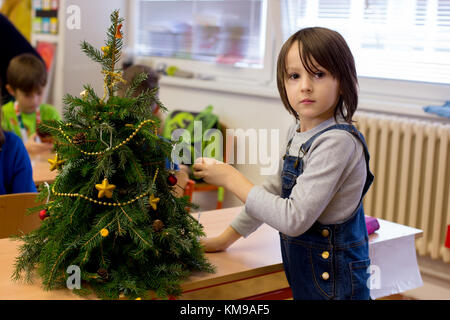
(41,167)
(251,267)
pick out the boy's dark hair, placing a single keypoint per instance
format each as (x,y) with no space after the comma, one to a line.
(330,51)
(26,72)
(131,72)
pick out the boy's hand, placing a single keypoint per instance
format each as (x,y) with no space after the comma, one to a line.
(221,242)
(35,147)
(212,244)
(223,175)
(213,171)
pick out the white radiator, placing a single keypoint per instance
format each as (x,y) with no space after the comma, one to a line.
(410,160)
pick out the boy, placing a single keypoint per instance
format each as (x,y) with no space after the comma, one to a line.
(26,78)
(150,83)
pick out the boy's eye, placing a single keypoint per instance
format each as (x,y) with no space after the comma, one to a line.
(319,74)
(294,76)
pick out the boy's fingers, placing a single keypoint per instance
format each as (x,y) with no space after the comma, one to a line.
(198,174)
(199,160)
(197,169)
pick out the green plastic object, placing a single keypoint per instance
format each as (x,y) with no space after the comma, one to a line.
(220,194)
(178,119)
(171,70)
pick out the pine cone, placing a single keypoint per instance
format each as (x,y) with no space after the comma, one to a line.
(79,138)
(158,225)
(103,273)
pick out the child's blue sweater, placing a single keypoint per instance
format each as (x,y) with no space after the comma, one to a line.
(16,174)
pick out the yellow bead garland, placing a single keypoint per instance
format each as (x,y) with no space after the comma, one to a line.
(117,204)
(114,148)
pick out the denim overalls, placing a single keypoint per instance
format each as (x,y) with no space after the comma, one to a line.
(327,261)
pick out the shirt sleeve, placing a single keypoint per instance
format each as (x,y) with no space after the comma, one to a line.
(245,224)
(4,122)
(50,113)
(315,188)
(23,172)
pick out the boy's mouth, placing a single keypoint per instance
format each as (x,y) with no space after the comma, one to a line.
(307,101)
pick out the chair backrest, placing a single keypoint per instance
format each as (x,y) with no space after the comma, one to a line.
(13,218)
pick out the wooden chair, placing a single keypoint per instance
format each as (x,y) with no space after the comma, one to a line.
(192,186)
(189,189)
(13,218)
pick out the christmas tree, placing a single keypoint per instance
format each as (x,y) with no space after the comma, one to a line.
(111,211)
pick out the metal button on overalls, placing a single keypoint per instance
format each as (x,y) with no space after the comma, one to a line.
(325,254)
(325,233)
(325,276)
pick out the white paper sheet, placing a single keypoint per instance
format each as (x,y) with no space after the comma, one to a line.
(393,267)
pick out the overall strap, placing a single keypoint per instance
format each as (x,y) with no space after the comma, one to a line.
(352,129)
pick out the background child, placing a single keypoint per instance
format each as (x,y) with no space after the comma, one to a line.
(16,174)
(13,44)
(26,78)
(315,200)
(149,84)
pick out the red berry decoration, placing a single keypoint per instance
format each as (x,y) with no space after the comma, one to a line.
(172,180)
(43,214)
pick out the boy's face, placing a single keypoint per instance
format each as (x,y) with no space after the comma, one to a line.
(313,97)
(28,101)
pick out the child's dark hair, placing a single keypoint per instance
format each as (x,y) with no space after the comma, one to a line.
(131,72)
(27,73)
(330,51)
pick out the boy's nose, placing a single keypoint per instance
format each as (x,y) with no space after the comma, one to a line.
(305,85)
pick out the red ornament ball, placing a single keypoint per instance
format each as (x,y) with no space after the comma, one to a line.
(172,180)
(43,214)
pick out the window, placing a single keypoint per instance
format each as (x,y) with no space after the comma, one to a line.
(228,35)
(401,47)
(402,39)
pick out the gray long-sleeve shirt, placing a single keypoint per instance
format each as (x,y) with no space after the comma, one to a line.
(329,189)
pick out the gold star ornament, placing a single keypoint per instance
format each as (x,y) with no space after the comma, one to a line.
(55,163)
(105,189)
(153,201)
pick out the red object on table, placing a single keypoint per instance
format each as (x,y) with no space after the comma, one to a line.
(447,238)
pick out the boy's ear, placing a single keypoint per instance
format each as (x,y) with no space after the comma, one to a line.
(11,90)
